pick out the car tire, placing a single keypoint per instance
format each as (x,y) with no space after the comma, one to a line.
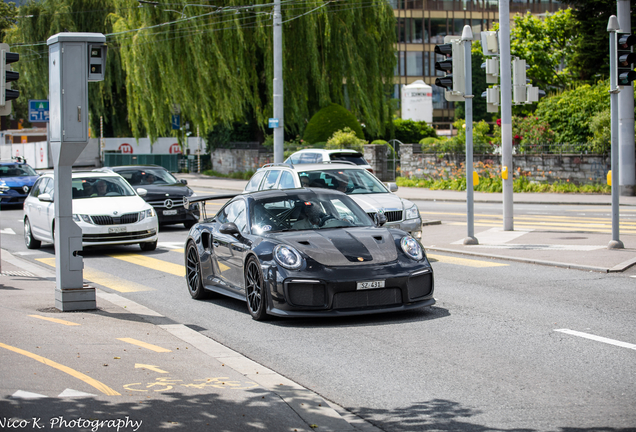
(255,294)
(188,224)
(148,246)
(193,273)
(29,240)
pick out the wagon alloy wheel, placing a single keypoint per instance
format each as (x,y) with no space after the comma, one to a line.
(254,292)
(193,273)
(29,240)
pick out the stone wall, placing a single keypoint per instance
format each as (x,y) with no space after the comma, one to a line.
(228,161)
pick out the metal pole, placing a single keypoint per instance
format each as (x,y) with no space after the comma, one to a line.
(467,37)
(506,113)
(612,28)
(279,132)
(626,146)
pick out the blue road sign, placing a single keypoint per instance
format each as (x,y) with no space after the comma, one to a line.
(273,123)
(176,121)
(38,110)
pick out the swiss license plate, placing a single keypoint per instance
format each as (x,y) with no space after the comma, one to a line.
(169,212)
(116,229)
(370,285)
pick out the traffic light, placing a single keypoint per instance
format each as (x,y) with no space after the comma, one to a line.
(453,66)
(625,58)
(6,77)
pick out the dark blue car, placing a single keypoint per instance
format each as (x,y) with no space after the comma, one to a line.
(16,180)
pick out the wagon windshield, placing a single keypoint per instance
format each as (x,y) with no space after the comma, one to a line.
(306,213)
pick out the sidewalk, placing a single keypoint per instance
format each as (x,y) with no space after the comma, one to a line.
(128,368)
(560,248)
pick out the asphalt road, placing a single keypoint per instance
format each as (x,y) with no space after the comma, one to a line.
(497,352)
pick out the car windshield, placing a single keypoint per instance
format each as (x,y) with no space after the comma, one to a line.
(16,171)
(92,187)
(306,212)
(349,181)
(147,176)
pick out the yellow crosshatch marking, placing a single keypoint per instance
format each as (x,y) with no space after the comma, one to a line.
(55,320)
(152,263)
(146,345)
(464,261)
(72,372)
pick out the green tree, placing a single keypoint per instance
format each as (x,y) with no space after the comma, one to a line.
(346,139)
(480,111)
(410,131)
(546,44)
(8,12)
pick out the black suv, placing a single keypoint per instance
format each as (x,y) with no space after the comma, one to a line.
(162,190)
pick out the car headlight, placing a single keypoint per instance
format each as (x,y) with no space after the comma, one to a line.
(288,257)
(146,213)
(411,248)
(412,213)
(4,187)
(85,218)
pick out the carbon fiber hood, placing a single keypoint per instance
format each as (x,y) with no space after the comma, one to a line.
(344,246)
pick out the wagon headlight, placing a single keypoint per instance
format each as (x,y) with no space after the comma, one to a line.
(412,248)
(85,218)
(412,213)
(288,257)
(146,213)
(4,187)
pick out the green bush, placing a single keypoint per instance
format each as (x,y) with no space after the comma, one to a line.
(346,139)
(410,131)
(329,120)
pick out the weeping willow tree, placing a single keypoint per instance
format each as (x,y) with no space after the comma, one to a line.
(36,22)
(214,63)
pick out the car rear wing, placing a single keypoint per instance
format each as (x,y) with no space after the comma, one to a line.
(199,201)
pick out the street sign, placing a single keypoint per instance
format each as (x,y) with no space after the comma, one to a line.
(176,121)
(38,110)
(273,123)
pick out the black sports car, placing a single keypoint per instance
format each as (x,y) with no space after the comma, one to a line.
(163,191)
(305,252)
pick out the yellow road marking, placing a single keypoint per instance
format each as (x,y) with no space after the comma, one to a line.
(72,372)
(55,320)
(151,347)
(149,367)
(152,263)
(177,250)
(104,279)
(465,262)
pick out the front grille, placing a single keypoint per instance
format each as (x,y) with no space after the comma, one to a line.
(19,190)
(420,285)
(114,220)
(160,204)
(306,294)
(102,238)
(391,216)
(367,298)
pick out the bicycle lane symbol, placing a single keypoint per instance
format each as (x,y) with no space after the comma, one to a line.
(166,383)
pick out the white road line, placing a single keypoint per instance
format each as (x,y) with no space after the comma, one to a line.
(597,338)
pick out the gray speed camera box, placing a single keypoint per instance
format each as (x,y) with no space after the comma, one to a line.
(74,60)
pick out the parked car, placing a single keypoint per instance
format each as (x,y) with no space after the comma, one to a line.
(16,180)
(313,156)
(306,252)
(105,207)
(164,192)
(361,185)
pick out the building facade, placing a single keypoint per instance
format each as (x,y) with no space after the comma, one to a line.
(422,24)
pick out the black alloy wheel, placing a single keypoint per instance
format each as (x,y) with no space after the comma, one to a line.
(29,240)
(254,290)
(193,273)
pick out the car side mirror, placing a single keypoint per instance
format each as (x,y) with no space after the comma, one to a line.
(393,187)
(142,192)
(229,228)
(380,219)
(44,197)
(184,181)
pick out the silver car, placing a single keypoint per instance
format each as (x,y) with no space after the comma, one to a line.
(365,189)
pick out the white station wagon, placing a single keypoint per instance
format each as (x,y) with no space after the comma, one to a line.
(105,207)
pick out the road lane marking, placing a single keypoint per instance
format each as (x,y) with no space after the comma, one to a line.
(146,345)
(72,372)
(55,320)
(465,262)
(152,263)
(582,228)
(597,338)
(149,367)
(104,279)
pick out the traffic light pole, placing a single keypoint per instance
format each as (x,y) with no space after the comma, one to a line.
(506,114)
(626,155)
(612,28)
(279,131)
(467,37)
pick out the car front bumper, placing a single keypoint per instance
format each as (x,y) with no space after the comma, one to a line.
(139,232)
(411,226)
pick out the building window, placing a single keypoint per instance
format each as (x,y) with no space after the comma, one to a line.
(415,30)
(414,63)
(438,30)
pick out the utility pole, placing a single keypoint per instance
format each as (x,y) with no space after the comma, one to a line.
(467,37)
(279,130)
(626,147)
(506,114)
